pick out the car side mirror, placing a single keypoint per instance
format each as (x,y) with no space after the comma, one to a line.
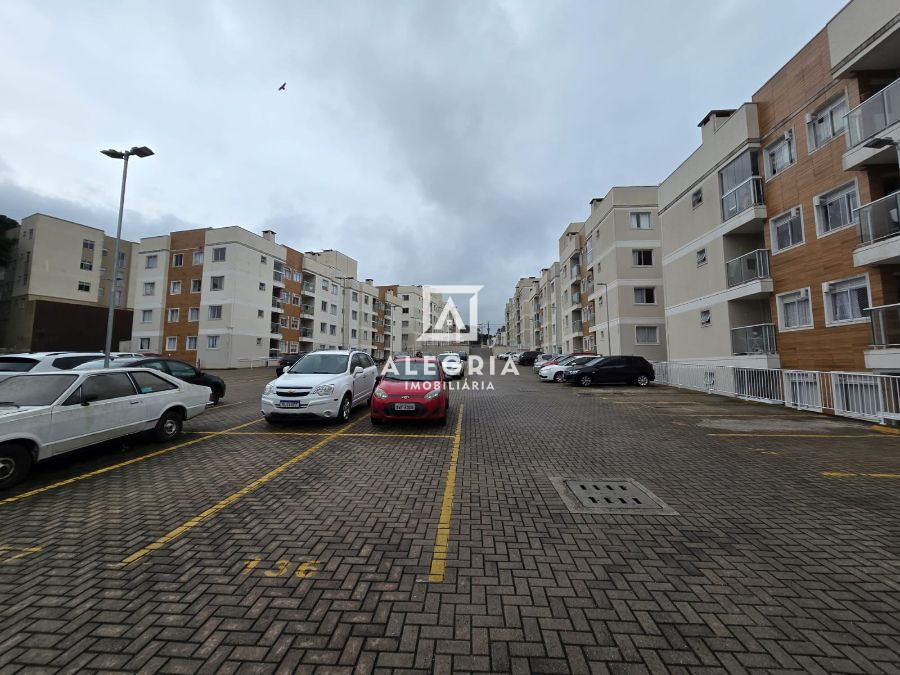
(359,370)
(88,398)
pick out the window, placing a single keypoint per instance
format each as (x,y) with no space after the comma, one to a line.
(323,327)
(283,321)
(739,184)
(85,265)
(212,341)
(295,299)
(194,314)
(324,284)
(646,335)
(353,333)
(294,348)
(835,209)
(645,296)
(404,324)
(175,288)
(705,317)
(845,300)
(149,287)
(640,220)
(697,198)
(171,344)
(215,312)
(144,344)
(589,252)
(334,289)
(146,315)
(178,260)
(354,315)
(701,257)
(217,283)
(151,262)
(258,341)
(260,314)
(148,383)
(262,260)
(787,230)
(196,284)
(87,244)
(354,296)
(219,254)
(794,310)
(262,285)
(84,287)
(174,315)
(780,154)
(366,299)
(197,258)
(332,329)
(334,309)
(107,387)
(405,310)
(324,305)
(295,322)
(642,257)
(826,123)
(405,298)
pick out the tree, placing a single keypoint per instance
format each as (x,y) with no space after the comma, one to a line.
(6,244)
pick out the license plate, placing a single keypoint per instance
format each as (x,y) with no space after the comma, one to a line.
(289,404)
(404,406)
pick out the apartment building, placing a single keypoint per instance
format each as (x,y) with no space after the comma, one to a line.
(576,317)
(521,312)
(61,276)
(621,275)
(548,320)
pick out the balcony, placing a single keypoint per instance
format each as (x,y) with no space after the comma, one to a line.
(745,206)
(575,326)
(748,275)
(885,351)
(277,304)
(308,288)
(758,339)
(877,116)
(307,310)
(576,299)
(278,278)
(574,271)
(879,225)
(306,333)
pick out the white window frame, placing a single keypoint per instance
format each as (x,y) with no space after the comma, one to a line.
(178,260)
(212,341)
(199,284)
(634,257)
(144,344)
(173,312)
(702,257)
(197,258)
(707,319)
(216,254)
(827,110)
(193,313)
(171,343)
(146,316)
(190,343)
(209,312)
(212,283)
(638,342)
(779,308)
(826,299)
(151,258)
(84,287)
(644,289)
(635,217)
(175,285)
(151,286)
(262,285)
(773,236)
(842,191)
(788,137)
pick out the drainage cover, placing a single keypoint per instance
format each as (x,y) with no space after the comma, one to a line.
(609,495)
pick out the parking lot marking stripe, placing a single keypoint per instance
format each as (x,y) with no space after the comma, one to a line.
(882,429)
(235,496)
(761,435)
(327,433)
(120,465)
(439,557)
(847,474)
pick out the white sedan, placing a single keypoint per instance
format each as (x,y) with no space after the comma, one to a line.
(557,372)
(451,364)
(43,415)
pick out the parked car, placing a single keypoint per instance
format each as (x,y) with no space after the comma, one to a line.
(175,368)
(463,355)
(286,361)
(528,358)
(42,362)
(607,369)
(557,371)
(543,360)
(401,355)
(322,384)
(514,357)
(51,413)
(504,356)
(451,364)
(559,357)
(415,389)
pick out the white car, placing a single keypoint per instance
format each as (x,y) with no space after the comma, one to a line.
(515,356)
(451,364)
(47,414)
(542,360)
(557,373)
(322,384)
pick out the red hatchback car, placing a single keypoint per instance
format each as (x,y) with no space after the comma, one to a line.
(411,389)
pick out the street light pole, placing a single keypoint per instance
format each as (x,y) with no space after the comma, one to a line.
(608,327)
(142,151)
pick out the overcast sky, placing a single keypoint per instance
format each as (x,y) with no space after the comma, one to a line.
(441,142)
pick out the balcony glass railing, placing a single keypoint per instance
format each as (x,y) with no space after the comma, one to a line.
(742,197)
(575,271)
(278,277)
(748,267)
(879,219)
(576,326)
(276,303)
(885,326)
(875,114)
(306,332)
(307,309)
(275,328)
(758,339)
(576,298)
(309,288)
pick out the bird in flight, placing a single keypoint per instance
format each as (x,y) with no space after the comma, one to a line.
(282,87)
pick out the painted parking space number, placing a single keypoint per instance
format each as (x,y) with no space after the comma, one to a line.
(283,567)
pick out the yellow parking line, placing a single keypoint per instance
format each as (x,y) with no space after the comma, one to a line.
(758,435)
(328,433)
(120,465)
(882,429)
(233,497)
(847,474)
(439,558)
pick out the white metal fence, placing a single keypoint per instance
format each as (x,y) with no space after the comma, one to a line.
(862,395)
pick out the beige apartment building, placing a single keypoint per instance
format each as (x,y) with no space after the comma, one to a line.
(548,319)
(61,276)
(410,318)
(521,312)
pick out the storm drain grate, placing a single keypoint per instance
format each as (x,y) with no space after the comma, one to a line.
(609,495)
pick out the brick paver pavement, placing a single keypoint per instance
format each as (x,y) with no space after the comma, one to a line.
(784,553)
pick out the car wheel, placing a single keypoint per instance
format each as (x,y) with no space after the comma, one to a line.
(585,381)
(642,381)
(344,411)
(168,427)
(214,396)
(15,463)
(559,377)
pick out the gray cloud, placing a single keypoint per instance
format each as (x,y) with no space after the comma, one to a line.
(436,142)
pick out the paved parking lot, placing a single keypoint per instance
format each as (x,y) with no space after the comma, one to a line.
(315,547)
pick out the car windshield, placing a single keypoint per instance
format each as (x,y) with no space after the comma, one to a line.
(411,371)
(452,357)
(34,389)
(320,364)
(16,364)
